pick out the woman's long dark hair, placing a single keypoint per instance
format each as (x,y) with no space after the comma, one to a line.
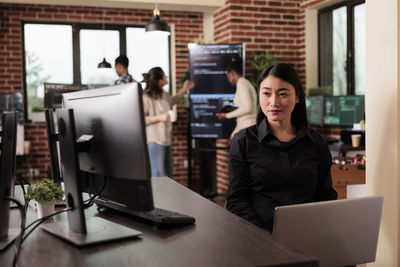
(152,78)
(286,73)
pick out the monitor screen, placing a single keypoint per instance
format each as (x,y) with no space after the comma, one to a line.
(343,110)
(315,110)
(113,119)
(7,172)
(12,102)
(53,93)
(212,92)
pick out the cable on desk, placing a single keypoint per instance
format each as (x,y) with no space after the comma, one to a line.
(22,181)
(41,220)
(18,242)
(37,222)
(92,198)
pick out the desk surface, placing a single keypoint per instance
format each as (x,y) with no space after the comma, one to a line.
(218,238)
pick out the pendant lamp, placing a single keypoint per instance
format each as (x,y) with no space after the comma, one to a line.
(156,25)
(104,64)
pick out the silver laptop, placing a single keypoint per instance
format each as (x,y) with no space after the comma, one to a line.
(338,232)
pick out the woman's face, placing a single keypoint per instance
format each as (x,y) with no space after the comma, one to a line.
(163,82)
(277,99)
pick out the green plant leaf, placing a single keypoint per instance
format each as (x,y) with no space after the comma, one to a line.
(44,191)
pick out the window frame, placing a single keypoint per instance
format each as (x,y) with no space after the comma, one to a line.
(350,76)
(76,63)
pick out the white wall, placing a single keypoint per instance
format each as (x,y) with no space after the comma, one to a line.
(382,121)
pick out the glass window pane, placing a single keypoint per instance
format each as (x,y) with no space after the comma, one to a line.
(325,49)
(339,40)
(359,49)
(48,57)
(96,45)
(146,51)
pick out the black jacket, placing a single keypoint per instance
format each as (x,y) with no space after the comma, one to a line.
(265,173)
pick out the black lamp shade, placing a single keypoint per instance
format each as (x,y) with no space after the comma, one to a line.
(104,64)
(157,25)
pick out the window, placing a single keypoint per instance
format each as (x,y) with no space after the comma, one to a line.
(48,58)
(146,51)
(68,53)
(342,48)
(94,45)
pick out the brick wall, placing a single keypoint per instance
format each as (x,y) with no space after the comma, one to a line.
(273,26)
(188,28)
(311,3)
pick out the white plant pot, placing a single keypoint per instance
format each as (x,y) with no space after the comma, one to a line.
(44,209)
(38,116)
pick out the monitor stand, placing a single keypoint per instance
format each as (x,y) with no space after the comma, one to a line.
(9,238)
(78,231)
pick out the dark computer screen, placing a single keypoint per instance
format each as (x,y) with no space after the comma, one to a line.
(315,110)
(343,110)
(53,93)
(113,117)
(7,172)
(10,102)
(212,92)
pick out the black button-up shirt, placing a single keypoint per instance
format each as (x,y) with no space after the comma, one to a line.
(265,173)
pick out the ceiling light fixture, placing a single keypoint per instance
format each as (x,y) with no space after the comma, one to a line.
(156,25)
(104,63)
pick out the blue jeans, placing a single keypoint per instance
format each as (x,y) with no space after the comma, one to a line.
(160,159)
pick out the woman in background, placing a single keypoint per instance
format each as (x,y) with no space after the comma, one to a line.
(157,105)
(245,98)
(278,161)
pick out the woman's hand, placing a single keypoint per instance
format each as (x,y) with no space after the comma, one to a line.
(164,117)
(221,116)
(188,85)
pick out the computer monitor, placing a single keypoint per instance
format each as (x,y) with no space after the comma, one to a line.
(114,117)
(53,93)
(7,173)
(102,133)
(52,138)
(212,92)
(315,110)
(343,110)
(10,102)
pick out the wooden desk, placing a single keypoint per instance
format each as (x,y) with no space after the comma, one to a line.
(218,238)
(342,178)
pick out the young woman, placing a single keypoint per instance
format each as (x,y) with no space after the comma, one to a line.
(245,99)
(156,104)
(278,161)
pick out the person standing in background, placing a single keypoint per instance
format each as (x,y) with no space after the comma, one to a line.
(245,98)
(157,108)
(121,67)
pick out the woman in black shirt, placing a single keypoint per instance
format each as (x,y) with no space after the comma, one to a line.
(278,161)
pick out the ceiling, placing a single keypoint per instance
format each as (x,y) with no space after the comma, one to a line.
(207,6)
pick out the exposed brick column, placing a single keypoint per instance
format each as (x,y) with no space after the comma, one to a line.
(273,26)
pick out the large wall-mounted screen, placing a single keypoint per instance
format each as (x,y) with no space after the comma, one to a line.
(207,67)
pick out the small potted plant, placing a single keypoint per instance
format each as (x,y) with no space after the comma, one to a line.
(44,192)
(37,114)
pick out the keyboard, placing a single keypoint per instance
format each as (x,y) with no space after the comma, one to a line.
(158,216)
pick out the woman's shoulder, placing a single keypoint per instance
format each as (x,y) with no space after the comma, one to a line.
(316,137)
(247,133)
